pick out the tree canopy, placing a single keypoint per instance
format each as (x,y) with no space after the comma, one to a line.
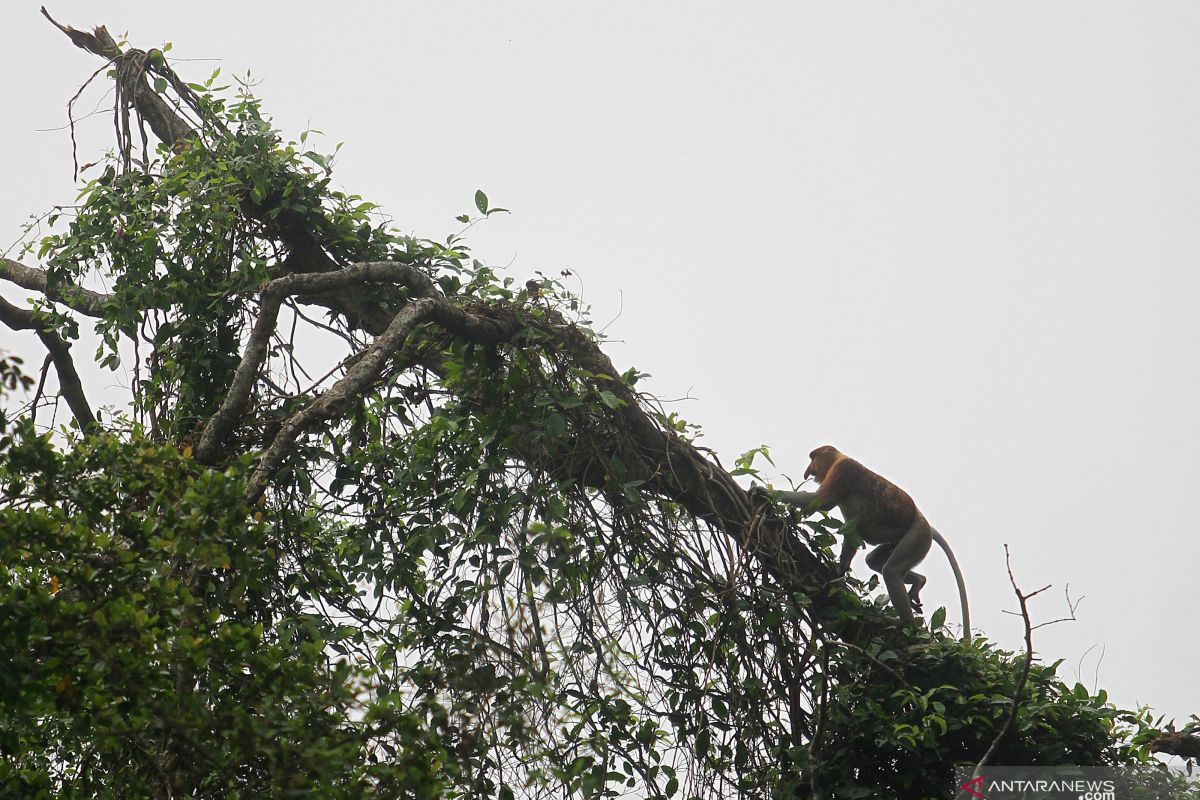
(376,520)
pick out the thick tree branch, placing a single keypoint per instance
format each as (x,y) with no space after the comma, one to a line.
(664,464)
(417,282)
(1176,744)
(70,386)
(85,301)
(366,370)
(237,398)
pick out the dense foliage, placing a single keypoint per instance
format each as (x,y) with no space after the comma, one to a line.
(407,533)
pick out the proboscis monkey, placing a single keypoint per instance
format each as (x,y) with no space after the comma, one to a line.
(883,515)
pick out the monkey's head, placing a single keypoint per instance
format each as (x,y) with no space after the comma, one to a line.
(823,459)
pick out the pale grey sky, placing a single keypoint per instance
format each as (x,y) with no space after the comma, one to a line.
(958,240)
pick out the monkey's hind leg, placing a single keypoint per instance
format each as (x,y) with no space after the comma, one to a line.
(879,556)
(914,591)
(906,554)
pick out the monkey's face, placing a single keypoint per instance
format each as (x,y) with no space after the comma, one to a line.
(822,461)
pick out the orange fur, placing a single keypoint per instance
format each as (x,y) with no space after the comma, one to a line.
(884,511)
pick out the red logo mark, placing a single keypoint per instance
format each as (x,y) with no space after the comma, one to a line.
(977,783)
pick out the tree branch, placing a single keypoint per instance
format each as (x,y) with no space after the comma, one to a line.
(237,398)
(1023,599)
(85,301)
(660,460)
(1176,744)
(167,125)
(91,42)
(69,384)
(365,371)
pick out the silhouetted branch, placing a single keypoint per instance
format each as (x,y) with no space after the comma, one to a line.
(85,301)
(367,369)
(1023,599)
(1176,744)
(69,384)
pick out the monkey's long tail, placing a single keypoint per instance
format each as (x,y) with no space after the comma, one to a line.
(962,586)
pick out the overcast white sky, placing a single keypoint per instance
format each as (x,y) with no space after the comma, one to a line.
(958,240)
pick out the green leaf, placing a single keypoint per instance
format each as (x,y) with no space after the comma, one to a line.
(611,400)
(481,201)
(938,619)
(719,708)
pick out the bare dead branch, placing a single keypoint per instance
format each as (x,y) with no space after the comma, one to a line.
(85,301)
(1023,599)
(168,126)
(97,42)
(71,388)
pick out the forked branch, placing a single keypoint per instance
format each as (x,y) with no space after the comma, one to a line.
(20,319)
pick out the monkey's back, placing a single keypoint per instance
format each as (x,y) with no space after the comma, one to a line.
(884,511)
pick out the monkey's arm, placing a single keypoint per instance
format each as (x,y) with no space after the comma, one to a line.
(817,501)
(850,545)
(805,501)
